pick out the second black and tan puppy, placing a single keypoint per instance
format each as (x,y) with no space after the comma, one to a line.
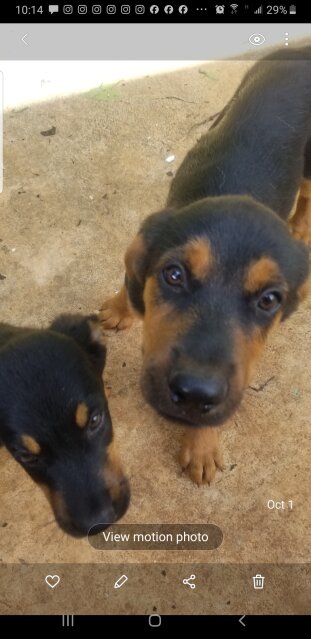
(55,421)
(217,270)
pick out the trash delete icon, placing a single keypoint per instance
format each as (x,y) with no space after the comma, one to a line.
(259,581)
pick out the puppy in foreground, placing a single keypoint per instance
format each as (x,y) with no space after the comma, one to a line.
(214,272)
(55,421)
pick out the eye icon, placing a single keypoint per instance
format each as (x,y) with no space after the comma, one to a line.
(257,39)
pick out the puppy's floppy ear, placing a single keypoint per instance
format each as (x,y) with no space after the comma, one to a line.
(297,274)
(86,331)
(139,256)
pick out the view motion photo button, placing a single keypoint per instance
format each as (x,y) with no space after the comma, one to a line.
(157,537)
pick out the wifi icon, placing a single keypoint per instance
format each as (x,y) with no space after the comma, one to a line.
(234,8)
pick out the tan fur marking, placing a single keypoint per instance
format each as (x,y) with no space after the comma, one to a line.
(46,491)
(56,501)
(300,223)
(31,444)
(58,504)
(162,324)
(117,311)
(261,273)
(303,291)
(201,454)
(248,349)
(294,207)
(113,472)
(82,415)
(198,256)
(305,188)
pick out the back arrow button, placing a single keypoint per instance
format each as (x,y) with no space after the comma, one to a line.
(241,621)
(24,39)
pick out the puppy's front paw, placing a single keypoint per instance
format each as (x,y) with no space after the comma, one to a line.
(116,312)
(201,455)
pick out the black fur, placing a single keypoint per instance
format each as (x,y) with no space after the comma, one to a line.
(236,187)
(260,144)
(44,375)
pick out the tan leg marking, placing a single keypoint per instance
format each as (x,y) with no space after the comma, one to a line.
(300,223)
(116,312)
(201,454)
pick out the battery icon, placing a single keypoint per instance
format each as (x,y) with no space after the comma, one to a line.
(292,9)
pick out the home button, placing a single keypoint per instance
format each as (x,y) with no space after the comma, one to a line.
(154,621)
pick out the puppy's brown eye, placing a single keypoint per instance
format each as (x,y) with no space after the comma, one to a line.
(96,421)
(174,275)
(269,301)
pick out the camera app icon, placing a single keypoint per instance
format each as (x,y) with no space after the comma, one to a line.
(67,8)
(96,9)
(82,9)
(140,9)
(111,8)
(125,9)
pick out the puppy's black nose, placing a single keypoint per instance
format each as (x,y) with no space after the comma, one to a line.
(203,393)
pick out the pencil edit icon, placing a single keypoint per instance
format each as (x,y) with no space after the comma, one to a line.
(121,581)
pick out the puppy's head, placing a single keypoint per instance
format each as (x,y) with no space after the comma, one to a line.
(55,420)
(211,281)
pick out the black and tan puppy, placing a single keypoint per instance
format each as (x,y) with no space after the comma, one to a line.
(217,270)
(55,421)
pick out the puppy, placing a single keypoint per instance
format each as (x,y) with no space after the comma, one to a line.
(218,269)
(55,421)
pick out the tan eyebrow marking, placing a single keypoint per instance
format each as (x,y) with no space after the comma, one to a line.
(31,444)
(260,273)
(199,257)
(82,415)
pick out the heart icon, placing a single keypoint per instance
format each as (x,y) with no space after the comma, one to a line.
(52,580)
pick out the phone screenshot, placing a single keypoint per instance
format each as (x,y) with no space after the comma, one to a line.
(155,229)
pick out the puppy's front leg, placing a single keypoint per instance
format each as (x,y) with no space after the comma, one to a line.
(117,312)
(201,454)
(300,223)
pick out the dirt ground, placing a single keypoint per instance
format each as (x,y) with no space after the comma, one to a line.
(71,203)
